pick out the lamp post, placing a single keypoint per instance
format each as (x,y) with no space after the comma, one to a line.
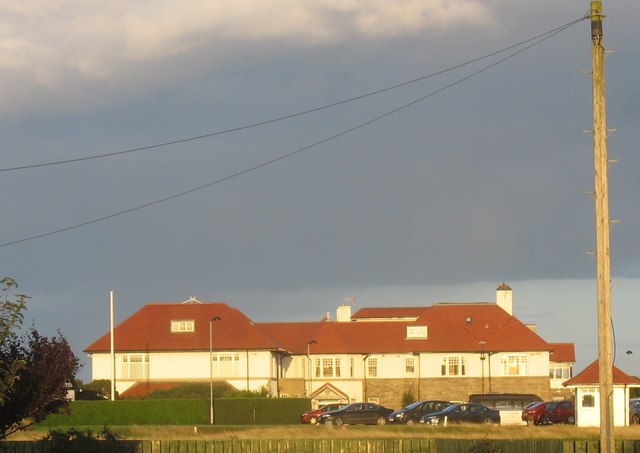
(629,362)
(310,389)
(482,357)
(215,318)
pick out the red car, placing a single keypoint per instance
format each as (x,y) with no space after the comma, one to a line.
(312,416)
(534,412)
(549,412)
(559,412)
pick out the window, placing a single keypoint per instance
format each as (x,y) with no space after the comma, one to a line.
(453,365)
(179,326)
(372,367)
(226,364)
(588,401)
(559,371)
(327,367)
(284,395)
(410,365)
(514,365)
(352,366)
(418,332)
(135,366)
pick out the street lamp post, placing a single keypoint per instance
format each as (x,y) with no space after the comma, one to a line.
(215,318)
(310,373)
(482,358)
(629,363)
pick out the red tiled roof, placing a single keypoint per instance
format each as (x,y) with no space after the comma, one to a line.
(562,352)
(590,375)
(142,389)
(451,328)
(149,329)
(448,331)
(388,312)
(485,322)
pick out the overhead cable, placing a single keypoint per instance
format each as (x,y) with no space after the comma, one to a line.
(289,116)
(544,37)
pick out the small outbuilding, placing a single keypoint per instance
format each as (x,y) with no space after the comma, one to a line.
(587,393)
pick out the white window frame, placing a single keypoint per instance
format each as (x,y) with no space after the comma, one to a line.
(453,365)
(225,364)
(183,325)
(327,367)
(514,365)
(372,367)
(410,366)
(130,368)
(562,367)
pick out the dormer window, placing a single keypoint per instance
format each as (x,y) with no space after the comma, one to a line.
(417,332)
(183,325)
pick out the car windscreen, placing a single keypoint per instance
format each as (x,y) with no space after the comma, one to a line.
(412,405)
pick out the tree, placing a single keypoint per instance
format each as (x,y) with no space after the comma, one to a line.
(10,321)
(36,370)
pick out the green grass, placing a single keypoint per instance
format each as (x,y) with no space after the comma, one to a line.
(564,432)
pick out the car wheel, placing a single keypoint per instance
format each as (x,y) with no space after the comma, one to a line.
(635,419)
(487,421)
(338,421)
(381,421)
(411,421)
(571,420)
(545,420)
(313,421)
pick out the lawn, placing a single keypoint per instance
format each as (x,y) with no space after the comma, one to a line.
(203,432)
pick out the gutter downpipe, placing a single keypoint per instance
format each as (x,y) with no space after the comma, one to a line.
(364,374)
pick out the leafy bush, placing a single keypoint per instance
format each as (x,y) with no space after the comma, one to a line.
(74,441)
(408,397)
(485,446)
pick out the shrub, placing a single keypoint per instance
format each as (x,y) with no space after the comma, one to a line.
(408,397)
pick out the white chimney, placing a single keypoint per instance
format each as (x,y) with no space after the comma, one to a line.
(504,298)
(343,313)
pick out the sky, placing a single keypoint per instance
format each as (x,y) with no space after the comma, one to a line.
(280,198)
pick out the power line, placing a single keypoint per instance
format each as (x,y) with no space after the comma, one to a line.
(544,37)
(289,116)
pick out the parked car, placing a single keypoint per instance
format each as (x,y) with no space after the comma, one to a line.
(357,413)
(634,411)
(312,416)
(534,412)
(559,412)
(463,413)
(413,412)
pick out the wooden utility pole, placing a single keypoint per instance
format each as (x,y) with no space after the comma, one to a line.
(603,253)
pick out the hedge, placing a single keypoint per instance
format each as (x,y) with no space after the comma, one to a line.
(228,411)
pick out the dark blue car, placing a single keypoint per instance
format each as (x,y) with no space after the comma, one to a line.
(412,413)
(463,413)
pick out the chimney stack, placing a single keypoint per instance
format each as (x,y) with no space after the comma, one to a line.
(504,298)
(343,314)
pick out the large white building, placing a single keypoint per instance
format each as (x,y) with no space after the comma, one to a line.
(444,351)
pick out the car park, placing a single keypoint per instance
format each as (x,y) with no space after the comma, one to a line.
(463,413)
(311,417)
(357,414)
(412,413)
(634,411)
